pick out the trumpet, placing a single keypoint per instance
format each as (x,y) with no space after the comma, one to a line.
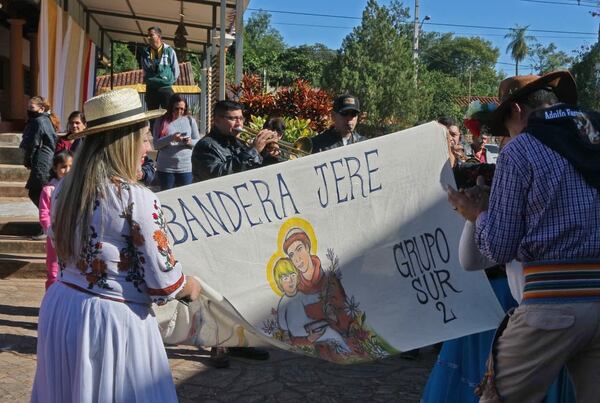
(289,151)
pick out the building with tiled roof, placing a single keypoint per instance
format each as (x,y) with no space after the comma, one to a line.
(464,101)
(135,79)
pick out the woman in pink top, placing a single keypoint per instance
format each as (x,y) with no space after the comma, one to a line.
(60,166)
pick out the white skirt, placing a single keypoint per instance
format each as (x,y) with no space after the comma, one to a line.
(91,349)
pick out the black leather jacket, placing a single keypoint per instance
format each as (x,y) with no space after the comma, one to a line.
(330,139)
(218,155)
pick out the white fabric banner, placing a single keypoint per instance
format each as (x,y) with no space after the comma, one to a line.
(348,255)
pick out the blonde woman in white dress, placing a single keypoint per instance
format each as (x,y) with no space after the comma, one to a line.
(98,340)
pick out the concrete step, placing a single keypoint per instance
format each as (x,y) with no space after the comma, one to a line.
(20,207)
(21,244)
(19,226)
(18,265)
(11,154)
(10,139)
(13,173)
(13,189)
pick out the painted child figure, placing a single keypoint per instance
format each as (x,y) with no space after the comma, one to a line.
(292,317)
(61,164)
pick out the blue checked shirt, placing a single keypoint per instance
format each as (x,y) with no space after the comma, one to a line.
(540,208)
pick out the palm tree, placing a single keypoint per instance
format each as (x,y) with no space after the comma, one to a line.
(518,47)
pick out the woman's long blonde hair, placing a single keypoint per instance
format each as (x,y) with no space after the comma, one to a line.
(102,156)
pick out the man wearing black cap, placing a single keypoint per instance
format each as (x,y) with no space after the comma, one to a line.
(345,117)
(543,212)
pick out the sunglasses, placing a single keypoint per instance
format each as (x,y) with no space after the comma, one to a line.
(349,113)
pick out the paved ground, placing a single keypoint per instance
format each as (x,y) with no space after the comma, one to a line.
(285,377)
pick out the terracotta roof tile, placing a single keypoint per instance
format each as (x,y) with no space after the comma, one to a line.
(133,77)
(465,101)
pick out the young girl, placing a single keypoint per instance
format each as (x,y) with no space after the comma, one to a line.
(60,166)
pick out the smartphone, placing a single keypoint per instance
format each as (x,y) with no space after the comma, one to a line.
(466,174)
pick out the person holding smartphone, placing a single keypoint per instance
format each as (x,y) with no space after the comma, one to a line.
(175,135)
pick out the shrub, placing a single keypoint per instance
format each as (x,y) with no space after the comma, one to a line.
(255,100)
(299,101)
(294,128)
(303,101)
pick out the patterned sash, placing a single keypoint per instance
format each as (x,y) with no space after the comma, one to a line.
(560,282)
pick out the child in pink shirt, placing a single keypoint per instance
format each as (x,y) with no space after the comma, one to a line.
(60,166)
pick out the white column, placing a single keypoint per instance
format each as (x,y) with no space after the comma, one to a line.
(239,41)
(203,92)
(222,50)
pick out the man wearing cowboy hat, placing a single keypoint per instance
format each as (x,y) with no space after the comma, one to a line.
(544,212)
(345,117)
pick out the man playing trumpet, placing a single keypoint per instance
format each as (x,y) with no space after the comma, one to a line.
(221,152)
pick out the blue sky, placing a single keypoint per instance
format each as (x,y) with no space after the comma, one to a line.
(538,14)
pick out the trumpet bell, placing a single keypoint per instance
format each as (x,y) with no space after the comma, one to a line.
(303,144)
(299,148)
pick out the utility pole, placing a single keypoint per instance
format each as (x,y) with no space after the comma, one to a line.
(416,33)
(416,42)
(470,78)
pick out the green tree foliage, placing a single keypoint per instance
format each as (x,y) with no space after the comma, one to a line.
(263,47)
(587,75)
(265,54)
(518,46)
(123,60)
(307,62)
(470,60)
(547,58)
(437,96)
(375,64)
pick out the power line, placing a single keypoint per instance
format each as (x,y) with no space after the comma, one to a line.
(347,17)
(560,3)
(409,23)
(310,25)
(549,31)
(514,64)
(502,35)
(588,34)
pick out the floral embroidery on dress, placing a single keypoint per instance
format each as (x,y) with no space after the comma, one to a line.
(90,265)
(161,239)
(131,259)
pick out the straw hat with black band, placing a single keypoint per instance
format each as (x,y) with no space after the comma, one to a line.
(112,110)
(517,88)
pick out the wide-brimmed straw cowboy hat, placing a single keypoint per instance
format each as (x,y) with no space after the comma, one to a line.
(112,110)
(516,88)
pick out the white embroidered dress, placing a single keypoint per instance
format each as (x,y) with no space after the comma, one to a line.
(98,340)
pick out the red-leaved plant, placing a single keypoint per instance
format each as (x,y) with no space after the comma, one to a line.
(300,100)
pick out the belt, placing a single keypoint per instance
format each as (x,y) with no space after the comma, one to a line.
(560,282)
(497,271)
(84,290)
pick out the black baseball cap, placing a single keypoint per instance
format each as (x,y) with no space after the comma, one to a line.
(345,103)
